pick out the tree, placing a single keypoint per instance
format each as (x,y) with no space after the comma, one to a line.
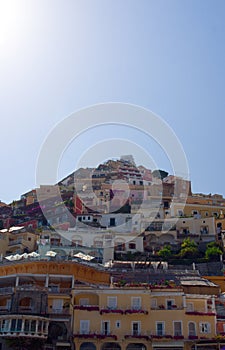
(160,174)
(165,252)
(188,249)
(213,251)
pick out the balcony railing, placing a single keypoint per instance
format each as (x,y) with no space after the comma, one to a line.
(20,326)
(86,307)
(137,336)
(136,311)
(15,242)
(161,336)
(109,311)
(162,307)
(4,310)
(94,336)
(59,311)
(6,290)
(200,313)
(166,336)
(56,290)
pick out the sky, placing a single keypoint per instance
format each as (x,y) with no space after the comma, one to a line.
(60,56)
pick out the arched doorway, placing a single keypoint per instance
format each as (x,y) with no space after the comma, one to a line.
(87,346)
(56,330)
(111,346)
(136,346)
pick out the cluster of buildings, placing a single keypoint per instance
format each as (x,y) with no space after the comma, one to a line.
(62,304)
(116,208)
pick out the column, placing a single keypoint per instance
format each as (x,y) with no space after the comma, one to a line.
(17,281)
(36,327)
(46,281)
(22,328)
(184,301)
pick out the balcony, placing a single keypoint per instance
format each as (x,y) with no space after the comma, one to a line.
(135,311)
(108,311)
(20,326)
(161,336)
(6,290)
(95,336)
(86,307)
(15,242)
(137,336)
(57,290)
(200,313)
(59,312)
(4,310)
(192,337)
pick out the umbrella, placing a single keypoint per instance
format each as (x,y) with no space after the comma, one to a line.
(17,257)
(84,257)
(10,257)
(33,255)
(50,253)
(24,255)
(13,257)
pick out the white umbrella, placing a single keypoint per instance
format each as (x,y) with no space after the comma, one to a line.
(34,254)
(15,228)
(84,256)
(50,253)
(17,257)
(24,255)
(10,257)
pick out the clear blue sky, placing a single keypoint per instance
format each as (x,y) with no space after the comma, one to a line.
(59,56)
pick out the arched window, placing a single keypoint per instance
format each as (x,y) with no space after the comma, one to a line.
(191,329)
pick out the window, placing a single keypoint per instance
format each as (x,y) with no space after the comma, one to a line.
(177,328)
(132,245)
(190,307)
(136,303)
(118,324)
(84,301)
(57,305)
(84,326)
(54,288)
(19,325)
(204,230)
(160,328)
(112,302)
(33,326)
(5,325)
(204,327)
(112,222)
(191,329)
(154,303)
(27,326)
(136,328)
(170,304)
(180,213)
(105,327)
(13,325)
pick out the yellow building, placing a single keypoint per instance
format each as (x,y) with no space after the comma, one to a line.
(67,306)
(16,241)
